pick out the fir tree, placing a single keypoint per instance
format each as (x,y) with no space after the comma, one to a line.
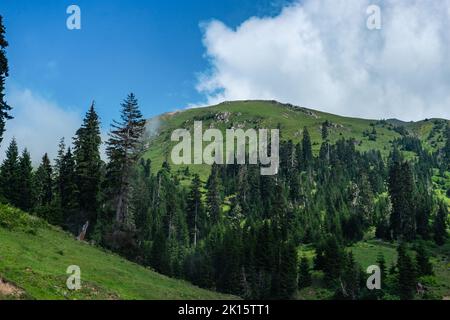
(88,168)
(288,270)
(4,73)
(350,278)
(10,174)
(213,196)
(44,195)
(440,225)
(194,210)
(25,184)
(406,278)
(124,148)
(401,189)
(304,275)
(381,262)
(307,155)
(67,190)
(447,147)
(424,266)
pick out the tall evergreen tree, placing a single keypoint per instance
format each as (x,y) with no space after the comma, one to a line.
(424,266)
(447,147)
(195,210)
(68,192)
(304,275)
(401,189)
(9,175)
(4,73)
(406,279)
(88,168)
(44,193)
(288,270)
(440,225)
(123,150)
(25,182)
(214,200)
(306,149)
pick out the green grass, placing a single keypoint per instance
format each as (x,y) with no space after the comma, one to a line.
(269,114)
(34,256)
(366,254)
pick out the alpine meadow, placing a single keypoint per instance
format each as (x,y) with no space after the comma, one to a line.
(356,209)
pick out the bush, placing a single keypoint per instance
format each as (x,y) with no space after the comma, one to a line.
(14,219)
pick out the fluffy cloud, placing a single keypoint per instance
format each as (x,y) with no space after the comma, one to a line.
(38,124)
(320,54)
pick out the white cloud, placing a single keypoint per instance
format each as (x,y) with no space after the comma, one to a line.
(38,124)
(320,54)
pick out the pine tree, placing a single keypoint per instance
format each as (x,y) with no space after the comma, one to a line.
(9,176)
(440,225)
(288,270)
(334,258)
(350,278)
(44,193)
(406,278)
(213,196)
(124,148)
(67,190)
(304,275)
(88,168)
(424,266)
(25,182)
(4,73)
(447,147)
(194,210)
(381,262)
(401,189)
(306,149)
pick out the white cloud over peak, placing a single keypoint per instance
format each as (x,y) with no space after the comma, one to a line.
(320,54)
(38,124)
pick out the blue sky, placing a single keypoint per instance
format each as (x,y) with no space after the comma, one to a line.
(319,54)
(153,48)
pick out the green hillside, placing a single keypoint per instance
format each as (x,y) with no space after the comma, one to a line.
(292,120)
(34,257)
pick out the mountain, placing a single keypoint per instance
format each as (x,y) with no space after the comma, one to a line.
(34,257)
(291,120)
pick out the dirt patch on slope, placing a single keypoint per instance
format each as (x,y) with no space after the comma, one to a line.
(9,290)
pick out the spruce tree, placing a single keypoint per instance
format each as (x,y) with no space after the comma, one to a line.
(288,270)
(304,275)
(406,278)
(401,189)
(350,278)
(123,150)
(25,182)
(440,225)
(4,73)
(334,258)
(381,262)
(214,200)
(447,148)
(88,168)
(194,210)
(44,193)
(10,174)
(307,155)
(68,192)
(424,266)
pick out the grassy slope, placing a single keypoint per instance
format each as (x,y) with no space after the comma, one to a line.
(35,256)
(268,114)
(366,253)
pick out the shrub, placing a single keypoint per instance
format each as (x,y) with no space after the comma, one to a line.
(14,219)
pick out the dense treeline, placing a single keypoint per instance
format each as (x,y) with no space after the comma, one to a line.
(239,232)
